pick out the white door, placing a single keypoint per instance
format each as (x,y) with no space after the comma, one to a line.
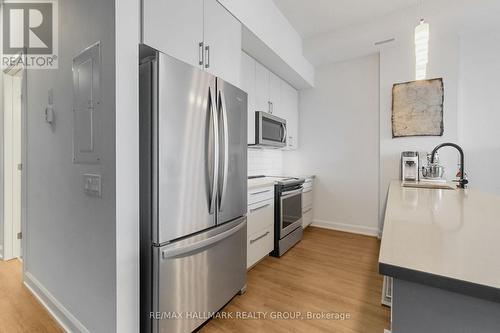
(248,85)
(275,95)
(175,28)
(12,165)
(222,37)
(261,88)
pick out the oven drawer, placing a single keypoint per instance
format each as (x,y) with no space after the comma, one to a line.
(259,245)
(307,217)
(307,199)
(260,215)
(260,194)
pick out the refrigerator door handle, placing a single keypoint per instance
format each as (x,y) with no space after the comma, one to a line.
(215,175)
(188,249)
(225,137)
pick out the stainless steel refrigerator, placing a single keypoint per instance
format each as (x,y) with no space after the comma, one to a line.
(193,165)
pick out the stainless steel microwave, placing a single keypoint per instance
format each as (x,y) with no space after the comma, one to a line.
(270,131)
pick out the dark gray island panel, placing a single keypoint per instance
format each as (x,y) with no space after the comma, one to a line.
(418,308)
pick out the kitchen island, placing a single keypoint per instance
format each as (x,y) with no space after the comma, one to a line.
(442,247)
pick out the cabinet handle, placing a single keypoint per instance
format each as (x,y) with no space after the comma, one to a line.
(307,211)
(207,56)
(200,53)
(269,107)
(259,208)
(260,237)
(260,192)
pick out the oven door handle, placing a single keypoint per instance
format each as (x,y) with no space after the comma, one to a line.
(291,193)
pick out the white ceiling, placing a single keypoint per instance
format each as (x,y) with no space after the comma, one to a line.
(313,17)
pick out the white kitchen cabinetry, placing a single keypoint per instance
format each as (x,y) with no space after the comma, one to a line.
(222,42)
(260,224)
(200,32)
(290,109)
(262,102)
(307,202)
(269,93)
(275,84)
(175,28)
(248,84)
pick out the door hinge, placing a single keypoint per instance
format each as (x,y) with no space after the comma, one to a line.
(19,166)
(19,235)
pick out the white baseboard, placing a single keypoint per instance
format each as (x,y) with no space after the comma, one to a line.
(354,229)
(67,321)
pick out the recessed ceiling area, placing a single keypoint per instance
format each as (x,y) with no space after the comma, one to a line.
(313,17)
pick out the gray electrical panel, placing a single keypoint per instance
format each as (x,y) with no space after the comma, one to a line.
(87,105)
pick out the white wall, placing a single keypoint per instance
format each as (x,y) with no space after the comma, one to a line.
(71,238)
(479,108)
(339,142)
(397,64)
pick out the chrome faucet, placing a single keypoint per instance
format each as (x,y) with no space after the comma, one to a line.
(462,182)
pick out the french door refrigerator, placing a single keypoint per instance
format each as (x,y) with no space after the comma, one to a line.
(193,165)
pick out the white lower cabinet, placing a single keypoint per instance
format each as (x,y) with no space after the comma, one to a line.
(259,245)
(307,202)
(260,230)
(307,217)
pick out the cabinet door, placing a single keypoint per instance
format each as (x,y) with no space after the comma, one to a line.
(261,88)
(248,85)
(222,37)
(290,110)
(174,27)
(275,95)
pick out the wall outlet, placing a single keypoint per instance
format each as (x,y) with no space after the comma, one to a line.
(92,185)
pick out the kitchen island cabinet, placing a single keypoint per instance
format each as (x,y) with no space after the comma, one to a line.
(441,249)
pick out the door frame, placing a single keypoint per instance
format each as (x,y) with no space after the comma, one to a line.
(14,70)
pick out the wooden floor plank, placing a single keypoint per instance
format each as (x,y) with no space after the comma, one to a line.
(328,271)
(19,310)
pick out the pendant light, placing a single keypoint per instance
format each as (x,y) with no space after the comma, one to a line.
(421,50)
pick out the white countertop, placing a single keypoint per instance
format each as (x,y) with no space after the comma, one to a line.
(449,233)
(262,182)
(271,180)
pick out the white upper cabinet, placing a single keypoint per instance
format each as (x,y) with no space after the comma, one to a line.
(275,94)
(200,32)
(290,107)
(269,93)
(175,28)
(222,42)
(248,84)
(262,102)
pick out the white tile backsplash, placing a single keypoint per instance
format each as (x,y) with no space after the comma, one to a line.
(267,162)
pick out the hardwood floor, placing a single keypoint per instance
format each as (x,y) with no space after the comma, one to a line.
(19,310)
(328,271)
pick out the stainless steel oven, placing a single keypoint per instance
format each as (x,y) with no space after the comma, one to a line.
(270,131)
(290,211)
(288,215)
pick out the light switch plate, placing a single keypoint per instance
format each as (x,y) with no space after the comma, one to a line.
(92,184)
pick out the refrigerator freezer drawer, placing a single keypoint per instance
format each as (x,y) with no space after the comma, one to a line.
(197,276)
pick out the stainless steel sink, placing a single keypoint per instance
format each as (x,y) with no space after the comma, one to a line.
(435,186)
